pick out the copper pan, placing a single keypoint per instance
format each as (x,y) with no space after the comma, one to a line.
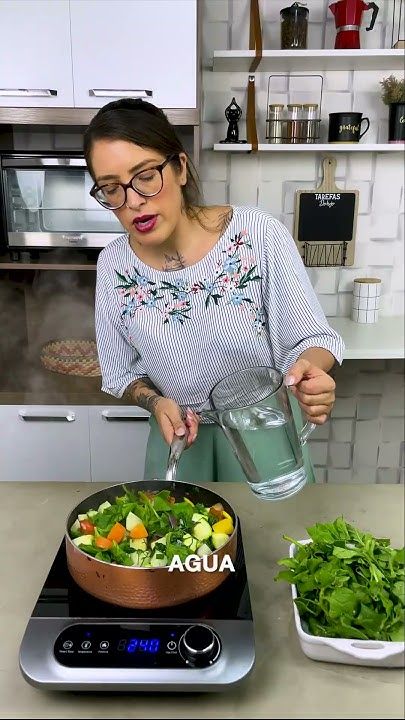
(147,588)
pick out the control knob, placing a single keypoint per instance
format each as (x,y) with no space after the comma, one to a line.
(199,646)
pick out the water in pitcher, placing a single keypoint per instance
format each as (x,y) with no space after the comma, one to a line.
(273,464)
(253,409)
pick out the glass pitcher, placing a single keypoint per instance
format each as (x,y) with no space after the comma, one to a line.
(253,409)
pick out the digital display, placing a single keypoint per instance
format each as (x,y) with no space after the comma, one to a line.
(115,645)
(139,645)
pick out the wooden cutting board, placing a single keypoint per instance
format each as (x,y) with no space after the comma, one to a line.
(325,221)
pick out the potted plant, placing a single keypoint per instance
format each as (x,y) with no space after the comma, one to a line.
(393,95)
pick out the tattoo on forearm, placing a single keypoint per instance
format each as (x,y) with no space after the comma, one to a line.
(136,391)
(148,402)
(174,262)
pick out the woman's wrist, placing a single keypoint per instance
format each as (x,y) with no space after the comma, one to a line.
(144,394)
(320,357)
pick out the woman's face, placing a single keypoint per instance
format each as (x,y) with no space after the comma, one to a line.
(148,220)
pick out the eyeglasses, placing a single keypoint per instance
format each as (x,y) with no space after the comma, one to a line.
(146,183)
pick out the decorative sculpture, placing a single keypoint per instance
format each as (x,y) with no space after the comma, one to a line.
(233,114)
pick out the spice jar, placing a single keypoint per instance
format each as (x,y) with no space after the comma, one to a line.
(294,123)
(275,123)
(311,122)
(294,27)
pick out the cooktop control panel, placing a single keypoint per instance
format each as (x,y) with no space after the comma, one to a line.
(159,645)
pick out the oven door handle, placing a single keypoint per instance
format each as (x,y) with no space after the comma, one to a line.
(121,93)
(26,92)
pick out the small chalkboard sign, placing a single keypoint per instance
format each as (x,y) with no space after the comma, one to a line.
(325,221)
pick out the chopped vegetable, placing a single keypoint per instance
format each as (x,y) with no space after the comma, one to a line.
(103,543)
(219,539)
(132,520)
(139,531)
(349,583)
(223,526)
(148,529)
(117,533)
(87,527)
(217,511)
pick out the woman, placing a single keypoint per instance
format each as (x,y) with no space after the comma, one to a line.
(190,294)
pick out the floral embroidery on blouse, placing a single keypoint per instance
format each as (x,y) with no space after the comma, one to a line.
(230,284)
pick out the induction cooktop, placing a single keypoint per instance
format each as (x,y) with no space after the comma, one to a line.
(74,641)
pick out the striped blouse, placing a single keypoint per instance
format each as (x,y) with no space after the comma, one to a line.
(248,302)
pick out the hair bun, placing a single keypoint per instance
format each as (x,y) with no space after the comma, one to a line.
(132,104)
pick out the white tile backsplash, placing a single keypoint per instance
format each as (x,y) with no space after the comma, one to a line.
(384,225)
(387,476)
(337,80)
(215,11)
(388,455)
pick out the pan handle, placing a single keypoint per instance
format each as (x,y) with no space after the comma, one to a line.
(176,449)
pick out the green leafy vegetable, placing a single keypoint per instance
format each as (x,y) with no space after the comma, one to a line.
(349,583)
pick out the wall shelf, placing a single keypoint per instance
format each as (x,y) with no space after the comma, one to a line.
(286,60)
(312,147)
(384,339)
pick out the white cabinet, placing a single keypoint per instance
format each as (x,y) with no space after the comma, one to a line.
(144,48)
(78,444)
(118,438)
(44,442)
(84,53)
(35,53)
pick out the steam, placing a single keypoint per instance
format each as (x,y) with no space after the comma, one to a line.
(34,310)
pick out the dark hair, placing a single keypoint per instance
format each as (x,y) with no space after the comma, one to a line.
(143,124)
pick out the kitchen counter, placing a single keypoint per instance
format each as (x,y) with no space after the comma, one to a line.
(284,682)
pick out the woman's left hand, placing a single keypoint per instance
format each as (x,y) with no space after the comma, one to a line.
(313,388)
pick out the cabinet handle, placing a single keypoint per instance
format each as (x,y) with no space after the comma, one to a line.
(47,416)
(23,92)
(121,93)
(122,415)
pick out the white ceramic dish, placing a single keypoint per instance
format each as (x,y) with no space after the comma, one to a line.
(339,650)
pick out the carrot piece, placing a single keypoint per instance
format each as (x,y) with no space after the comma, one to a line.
(103,543)
(117,533)
(139,531)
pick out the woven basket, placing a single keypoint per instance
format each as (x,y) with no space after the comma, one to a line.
(71,357)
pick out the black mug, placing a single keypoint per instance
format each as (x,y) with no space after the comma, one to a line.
(345,127)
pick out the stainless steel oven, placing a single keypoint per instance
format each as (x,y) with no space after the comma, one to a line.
(46,203)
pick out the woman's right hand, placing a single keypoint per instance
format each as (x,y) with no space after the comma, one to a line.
(169,417)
